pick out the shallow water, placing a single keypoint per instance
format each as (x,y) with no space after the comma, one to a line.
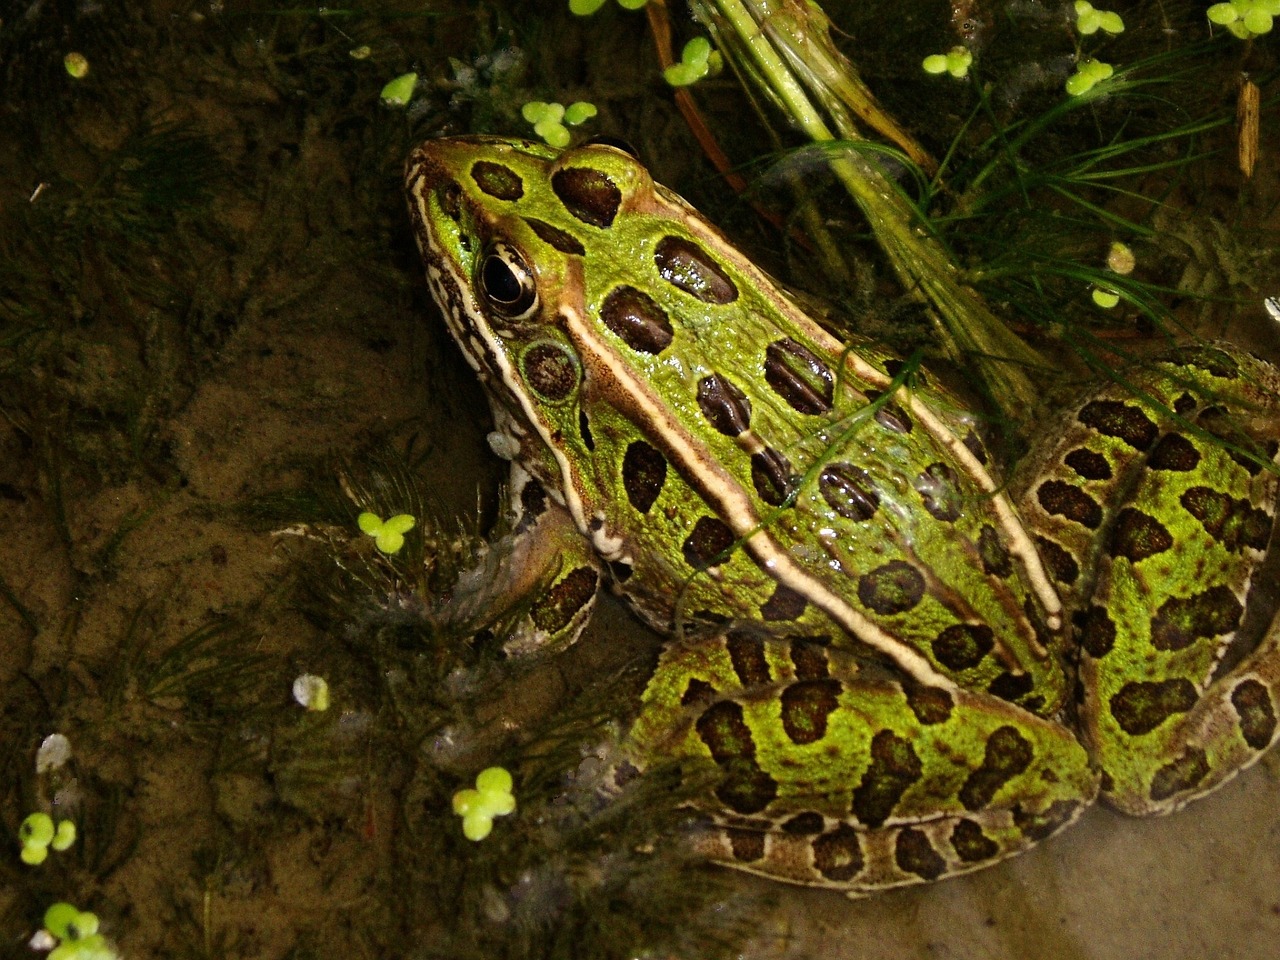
(195,350)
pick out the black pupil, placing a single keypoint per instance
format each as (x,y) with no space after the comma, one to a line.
(500,281)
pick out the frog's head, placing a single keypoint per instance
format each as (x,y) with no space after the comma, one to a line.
(504,228)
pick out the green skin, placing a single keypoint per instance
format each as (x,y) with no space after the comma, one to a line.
(902,669)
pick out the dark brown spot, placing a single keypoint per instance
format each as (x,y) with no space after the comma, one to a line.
(970,843)
(1062,499)
(1141,706)
(450,196)
(931,705)
(784,604)
(710,538)
(804,824)
(637,319)
(963,645)
(1174,452)
(557,609)
(848,491)
(1058,560)
(746,653)
(1123,421)
(1184,404)
(1254,459)
(620,570)
(937,487)
(1138,535)
(1087,464)
(1181,621)
(747,845)
(809,659)
(1008,754)
(1257,714)
(895,587)
(553,236)
(745,787)
(724,405)
(587,194)
(1042,825)
(799,377)
(806,705)
(894,768)
(889,415)
(995,557)
(533,502)
(497,181)
(914,854)
(1185,773)
(685,265)
(973,443)
(837,855)
(1235,524)
(644,471)
(1218,363)
(1011,686)
(1095,631)
(771,476)
(698,693)
(550,371)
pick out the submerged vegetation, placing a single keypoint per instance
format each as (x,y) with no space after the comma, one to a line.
(213,362)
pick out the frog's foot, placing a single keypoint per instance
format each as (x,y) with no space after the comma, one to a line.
(840,776)
(546,571)
(1158,515)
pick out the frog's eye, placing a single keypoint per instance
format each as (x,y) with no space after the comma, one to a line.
(507,283)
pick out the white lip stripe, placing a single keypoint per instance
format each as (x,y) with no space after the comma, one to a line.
(736,510)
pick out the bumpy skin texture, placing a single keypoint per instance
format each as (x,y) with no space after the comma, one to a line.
(879,645)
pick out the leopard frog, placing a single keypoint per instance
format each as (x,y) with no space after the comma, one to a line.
(902,667)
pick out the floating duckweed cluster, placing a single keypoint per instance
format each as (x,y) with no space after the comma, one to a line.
(38,835)
(1090,20)
(492,797)
(955,61)
(1245,18)
(584,8)
(551,120)
(698,59)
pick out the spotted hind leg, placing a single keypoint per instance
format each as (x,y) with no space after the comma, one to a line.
(1156,514)
(833,775)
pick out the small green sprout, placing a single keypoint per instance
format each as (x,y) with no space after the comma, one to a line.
(491,798)
(955,61)
(549,119)
(38,836)
(76,65)
(1105,298)
(388,534)
(1090,20)
(1245,18)
(584,8)
(1089,73)
(398,91)
(311,692)
(698,59)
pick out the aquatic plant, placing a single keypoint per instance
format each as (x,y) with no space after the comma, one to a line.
(492,797)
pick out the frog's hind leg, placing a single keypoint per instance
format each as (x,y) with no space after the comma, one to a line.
(1158,514)
(830,774)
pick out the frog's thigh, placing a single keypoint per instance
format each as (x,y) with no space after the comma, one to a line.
(1169,527)
(836,777)
(548,569)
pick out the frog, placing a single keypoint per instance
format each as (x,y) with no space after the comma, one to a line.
(897,664)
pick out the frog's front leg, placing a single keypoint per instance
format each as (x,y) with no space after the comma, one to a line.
(835,775)
(1157,513)
(545,568)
